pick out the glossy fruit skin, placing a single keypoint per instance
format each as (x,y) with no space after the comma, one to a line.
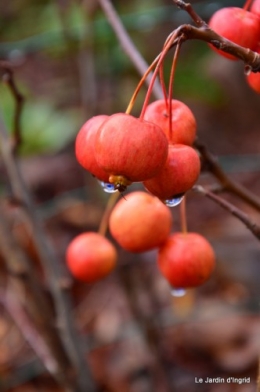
(178,175)
(186,260)
(184,124)
(237,25)
(131,148)
(85,144)
(140,222)
(90,257)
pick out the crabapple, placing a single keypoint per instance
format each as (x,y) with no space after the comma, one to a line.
(186,260)
(130,149)
(84,147)
(237,25)
(90,257)
(183,121)
(178,175)
(140,222)
(253,79)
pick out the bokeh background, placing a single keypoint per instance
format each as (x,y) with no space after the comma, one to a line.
(69,66)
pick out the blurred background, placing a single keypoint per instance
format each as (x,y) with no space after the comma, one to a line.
(69,66)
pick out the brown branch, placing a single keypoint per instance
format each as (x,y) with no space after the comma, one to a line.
(126,43)
(188,8)
(25,282)
(204,33)
(8,78)
(227,183)
(61,297)
(252,226)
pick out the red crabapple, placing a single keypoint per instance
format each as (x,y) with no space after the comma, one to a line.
(253,79)
(140,222)
(130,149)
(85,144)
(183,121)
(186,260)
(178,175)
(90,257)
(237,25)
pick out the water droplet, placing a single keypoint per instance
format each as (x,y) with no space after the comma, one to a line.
(178,292)
(107,187)
(247,70)
(175,201)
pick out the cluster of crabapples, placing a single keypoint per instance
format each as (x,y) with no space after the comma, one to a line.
(121,149)
(242,27)
(156,150)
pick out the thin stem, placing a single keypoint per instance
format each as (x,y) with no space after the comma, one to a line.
(105,217)
(139,86)
(183,215)
(247,5)
(227,183)
(170,93)
(251,225)
(8,78)
(162,82)
(165,50)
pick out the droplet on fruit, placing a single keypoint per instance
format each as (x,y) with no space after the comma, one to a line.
(247,70)
(107,187)
(175,201)
(177,292)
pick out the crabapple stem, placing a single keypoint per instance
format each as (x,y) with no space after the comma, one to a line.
(167,46)
(161,77)
(132,100)
(247,4)
(183,215)
(170,93)
(110,205)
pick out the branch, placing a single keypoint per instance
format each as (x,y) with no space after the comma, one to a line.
(252,226)
(204,33)
(227,183)
(127,44)
(47,256)
(8,78)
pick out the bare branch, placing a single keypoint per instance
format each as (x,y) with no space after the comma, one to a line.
(127,44)
(227,183)
(252,226)
(8,78)
(48,259)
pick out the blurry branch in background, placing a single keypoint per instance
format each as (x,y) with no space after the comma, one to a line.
(252,226)
(228,184)
(127,44)
(8,78)
(50,264)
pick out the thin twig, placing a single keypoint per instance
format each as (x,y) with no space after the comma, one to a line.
(8,78)
(252,226)
(126,43)
(227,183)
(62,300)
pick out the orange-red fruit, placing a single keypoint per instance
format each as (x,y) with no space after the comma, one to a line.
(140,222)
(85,145)
(131,148)
(183,121)
(90,257)
(178,175)
(237,25)
(186,260)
